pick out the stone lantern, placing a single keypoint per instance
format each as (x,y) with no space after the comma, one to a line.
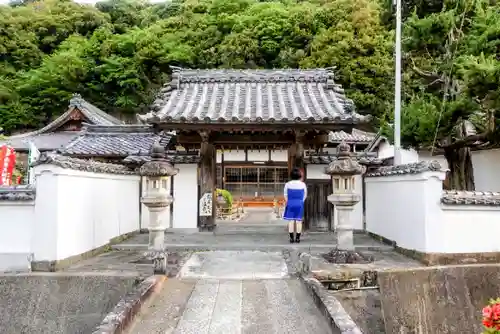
(157,199)
(343,172)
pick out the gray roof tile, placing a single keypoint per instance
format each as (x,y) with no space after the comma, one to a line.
(173,157)
(115,140)
(356,136)
(237,96)
(45,139)
(363,158)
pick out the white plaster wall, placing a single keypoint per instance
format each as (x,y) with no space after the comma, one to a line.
(255,155)
(279,156)
(317,172)
(486,175)
(185,213)
(78,211)
(469,229)
(386,150)
(17,219)
(399,207)
(485,163)
(407,209)
(233,155)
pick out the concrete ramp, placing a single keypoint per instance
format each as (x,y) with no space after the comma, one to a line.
(59,302)
(444,300)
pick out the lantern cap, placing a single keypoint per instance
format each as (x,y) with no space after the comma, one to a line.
(344,164)
(158,166)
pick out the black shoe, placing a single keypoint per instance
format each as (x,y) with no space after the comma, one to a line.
(291,238)
(297,238)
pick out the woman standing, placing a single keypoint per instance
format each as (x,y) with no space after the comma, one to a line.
(295,194)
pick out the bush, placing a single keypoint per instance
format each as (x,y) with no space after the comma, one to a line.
(227,196)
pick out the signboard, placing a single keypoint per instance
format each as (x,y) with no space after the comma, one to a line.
(206,205)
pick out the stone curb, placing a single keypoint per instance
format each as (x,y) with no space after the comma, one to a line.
(122,314)
(340,321)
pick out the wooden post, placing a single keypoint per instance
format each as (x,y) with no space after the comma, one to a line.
(207,183)
(296,152)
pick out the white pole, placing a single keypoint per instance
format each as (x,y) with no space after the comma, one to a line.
(397,89)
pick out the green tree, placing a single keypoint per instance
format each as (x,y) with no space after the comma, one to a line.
(452,86)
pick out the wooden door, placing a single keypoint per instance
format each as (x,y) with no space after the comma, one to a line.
(318,211)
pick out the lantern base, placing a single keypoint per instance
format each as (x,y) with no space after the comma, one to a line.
(159,259)
(346,257)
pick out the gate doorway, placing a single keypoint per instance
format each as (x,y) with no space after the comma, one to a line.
(318,212)
(255,184)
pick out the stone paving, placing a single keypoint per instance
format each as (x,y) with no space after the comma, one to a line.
(259,230)
(222,292)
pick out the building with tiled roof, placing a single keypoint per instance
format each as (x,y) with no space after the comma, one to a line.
(251,127)
(63,129)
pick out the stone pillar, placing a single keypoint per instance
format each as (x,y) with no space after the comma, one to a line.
(343,171)
(157,199)
(207,183)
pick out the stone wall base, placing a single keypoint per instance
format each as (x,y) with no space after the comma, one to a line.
(51,266)
(434,259)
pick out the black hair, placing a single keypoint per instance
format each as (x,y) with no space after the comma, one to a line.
(295,174)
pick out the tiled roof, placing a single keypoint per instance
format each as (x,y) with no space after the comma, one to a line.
(115,140)
(470,197)
(363,158)
(47,140)
(247,96)
(173,157)
(356,136)
(94,114)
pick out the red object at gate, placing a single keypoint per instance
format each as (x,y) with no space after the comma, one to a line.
(7,164)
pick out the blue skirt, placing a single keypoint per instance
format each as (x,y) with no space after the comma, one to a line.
(294,210)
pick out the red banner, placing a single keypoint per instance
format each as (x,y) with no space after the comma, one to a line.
(7,165)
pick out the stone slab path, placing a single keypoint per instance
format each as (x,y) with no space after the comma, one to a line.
(232,292)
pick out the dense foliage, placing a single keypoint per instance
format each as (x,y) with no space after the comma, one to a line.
(118,53)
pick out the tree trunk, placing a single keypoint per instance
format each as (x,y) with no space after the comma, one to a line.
(461,171)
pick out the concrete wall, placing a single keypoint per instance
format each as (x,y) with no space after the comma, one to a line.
(185,205)
(317,172)
(73,212)
(444,300)
(59,303)
(407,209)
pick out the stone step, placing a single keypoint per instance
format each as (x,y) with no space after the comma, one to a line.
(250,229)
